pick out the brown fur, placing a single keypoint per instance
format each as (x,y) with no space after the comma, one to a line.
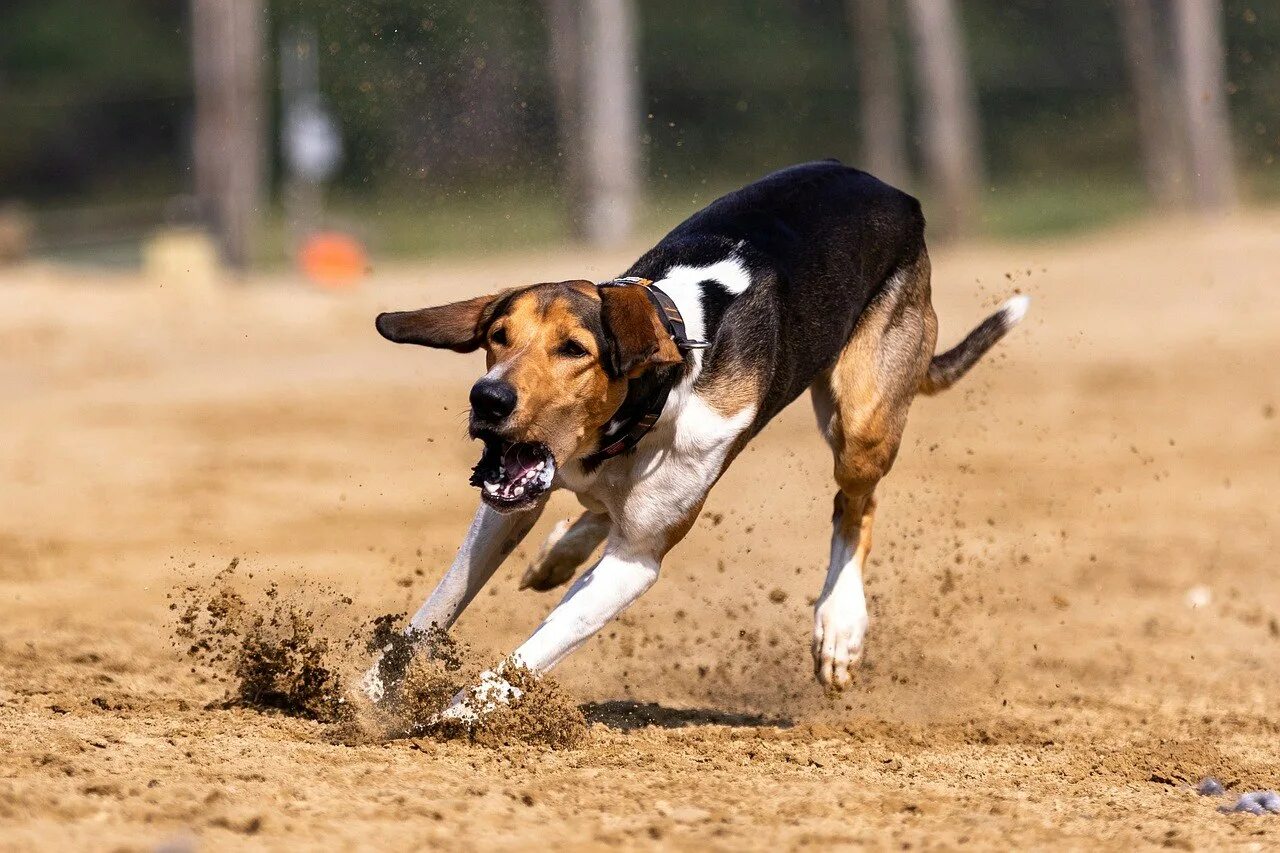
(640,339)
(459,326)
(562,401)
(862,401)
(730,394)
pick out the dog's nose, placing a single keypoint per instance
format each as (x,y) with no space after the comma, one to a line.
(492,399)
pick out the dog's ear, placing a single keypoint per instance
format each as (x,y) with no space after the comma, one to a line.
(636,337)
(459,326)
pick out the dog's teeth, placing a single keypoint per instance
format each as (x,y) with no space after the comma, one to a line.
(491,488)
(519,491)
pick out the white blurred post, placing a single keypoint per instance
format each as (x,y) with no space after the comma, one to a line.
(1204,94)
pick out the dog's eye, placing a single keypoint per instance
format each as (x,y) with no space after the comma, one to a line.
(573,349)
(499,337)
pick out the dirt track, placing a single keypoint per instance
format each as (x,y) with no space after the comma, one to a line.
(1036,675)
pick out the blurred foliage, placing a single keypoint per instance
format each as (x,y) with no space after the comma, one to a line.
(443,102)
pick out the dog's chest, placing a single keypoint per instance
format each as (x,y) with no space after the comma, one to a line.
(648,492)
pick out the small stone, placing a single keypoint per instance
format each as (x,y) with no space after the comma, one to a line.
(1199,597)
(1255,803)
(1210,787)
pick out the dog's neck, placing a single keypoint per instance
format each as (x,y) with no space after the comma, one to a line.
(699,295)
(647,393)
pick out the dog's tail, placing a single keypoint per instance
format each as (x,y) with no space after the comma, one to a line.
(946,368)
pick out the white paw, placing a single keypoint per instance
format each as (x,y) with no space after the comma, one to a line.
(551,567)
(838,630)
(475,702)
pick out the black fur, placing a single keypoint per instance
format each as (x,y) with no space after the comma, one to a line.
(820,239)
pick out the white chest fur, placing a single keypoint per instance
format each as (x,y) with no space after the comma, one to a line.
(654,488)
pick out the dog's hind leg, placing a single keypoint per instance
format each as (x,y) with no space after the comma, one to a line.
(861,404)
(568,546)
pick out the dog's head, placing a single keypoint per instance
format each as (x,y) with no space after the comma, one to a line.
(560,358)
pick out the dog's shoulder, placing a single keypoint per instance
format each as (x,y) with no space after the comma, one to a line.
(775,275)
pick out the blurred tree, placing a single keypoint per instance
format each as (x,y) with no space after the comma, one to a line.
(1199,32)
(1160,124)
(610,78)
(448,110)
(228,42)
(948,113)
(564,65)
(884,147)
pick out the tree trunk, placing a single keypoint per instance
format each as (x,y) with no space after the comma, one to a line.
(564,29)
(884,150)
(1160,125)
(228,42)
(1199,32)
(610,85)
(948,112)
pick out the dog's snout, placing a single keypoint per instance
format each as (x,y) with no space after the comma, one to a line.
(492,399)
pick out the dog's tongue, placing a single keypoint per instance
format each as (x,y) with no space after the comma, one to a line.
(519,458)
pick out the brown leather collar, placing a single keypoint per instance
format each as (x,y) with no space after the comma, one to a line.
(620,436)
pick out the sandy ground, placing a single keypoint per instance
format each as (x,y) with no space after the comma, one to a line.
(1036,673)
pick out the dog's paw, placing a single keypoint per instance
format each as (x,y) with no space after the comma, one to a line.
(473,703)
(553,566)
(838,631)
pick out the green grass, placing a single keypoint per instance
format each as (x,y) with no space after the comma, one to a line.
(1035,210)
(511,218)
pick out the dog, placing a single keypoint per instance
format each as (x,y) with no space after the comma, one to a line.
(637,394)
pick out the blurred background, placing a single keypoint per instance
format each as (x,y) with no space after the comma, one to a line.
(409,128)
(1075,614)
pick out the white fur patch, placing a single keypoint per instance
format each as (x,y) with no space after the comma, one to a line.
(1015,309)
(681,283)
(647,494)
(593,600)
(840,617)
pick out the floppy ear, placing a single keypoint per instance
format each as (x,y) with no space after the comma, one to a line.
(459,326)
(637,339)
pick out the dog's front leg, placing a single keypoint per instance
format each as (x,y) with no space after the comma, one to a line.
(567,547)
(492,536)
(621,576)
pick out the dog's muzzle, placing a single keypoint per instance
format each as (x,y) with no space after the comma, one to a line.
(513,475)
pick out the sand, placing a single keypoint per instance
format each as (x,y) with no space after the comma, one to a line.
(1073,592)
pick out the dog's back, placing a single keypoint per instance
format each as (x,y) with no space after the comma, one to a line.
(819,240)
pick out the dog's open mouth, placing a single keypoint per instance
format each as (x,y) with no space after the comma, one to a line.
(512,475)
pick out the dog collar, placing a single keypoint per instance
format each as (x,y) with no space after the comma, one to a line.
(672,319)
(621,436)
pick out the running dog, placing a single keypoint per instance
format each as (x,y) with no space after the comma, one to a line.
(636,394)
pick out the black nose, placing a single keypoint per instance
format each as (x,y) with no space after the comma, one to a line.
(492,399)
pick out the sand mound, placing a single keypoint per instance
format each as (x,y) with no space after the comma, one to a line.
(277,654)
(272,653)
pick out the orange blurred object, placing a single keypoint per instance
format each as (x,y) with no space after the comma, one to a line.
(333,260)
